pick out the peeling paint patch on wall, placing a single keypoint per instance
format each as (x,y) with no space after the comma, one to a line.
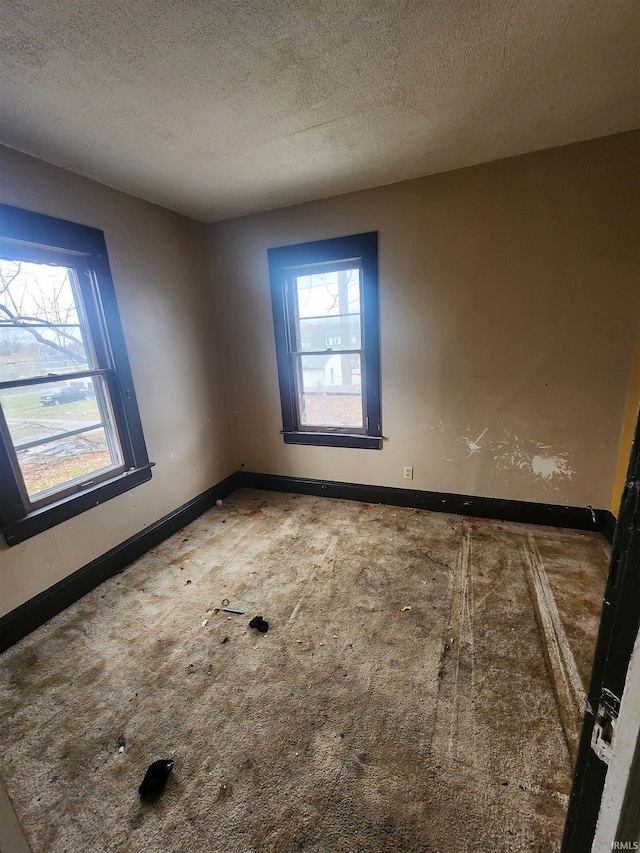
(540,460)
(510,453)
(534,457)
(547,467)
(507,454)
(473,446)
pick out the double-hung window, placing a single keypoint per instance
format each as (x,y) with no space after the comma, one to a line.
(325,310)
(70,431)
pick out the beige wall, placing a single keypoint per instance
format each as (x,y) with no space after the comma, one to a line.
(509,314)
(509,309)
(161,272)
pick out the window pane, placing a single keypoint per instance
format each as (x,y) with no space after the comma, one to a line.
(61,432)
(41,323)
(335,292)
(334,332)
(57,465)
(329,390)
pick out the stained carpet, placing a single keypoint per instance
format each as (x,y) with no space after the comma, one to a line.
(404,697)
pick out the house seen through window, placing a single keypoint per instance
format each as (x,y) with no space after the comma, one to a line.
(326,320)
(328,356)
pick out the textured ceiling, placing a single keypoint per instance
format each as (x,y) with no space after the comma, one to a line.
(216,109)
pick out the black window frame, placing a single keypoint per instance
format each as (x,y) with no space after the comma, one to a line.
(43,236)
(283,261)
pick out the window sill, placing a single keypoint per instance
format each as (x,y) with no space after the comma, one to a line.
(42,519)
(333,439)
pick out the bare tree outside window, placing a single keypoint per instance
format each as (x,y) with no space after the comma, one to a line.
(71,436)
(62,430)
(39,300)
(327,320)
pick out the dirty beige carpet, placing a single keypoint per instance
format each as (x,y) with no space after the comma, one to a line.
(402,699)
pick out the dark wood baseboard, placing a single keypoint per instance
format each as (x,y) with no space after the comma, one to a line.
(44,606)
(554,515)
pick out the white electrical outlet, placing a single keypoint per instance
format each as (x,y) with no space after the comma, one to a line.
(408,472)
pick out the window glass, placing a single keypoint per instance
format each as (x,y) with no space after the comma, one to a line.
(331,392)
(325,309)
(70,430)
(62,433)
(40,321)
(329,293)
(316,334)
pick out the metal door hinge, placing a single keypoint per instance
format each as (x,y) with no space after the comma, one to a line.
(604,728)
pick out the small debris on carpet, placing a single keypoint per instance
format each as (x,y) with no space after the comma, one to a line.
(155,778)
(259,624)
